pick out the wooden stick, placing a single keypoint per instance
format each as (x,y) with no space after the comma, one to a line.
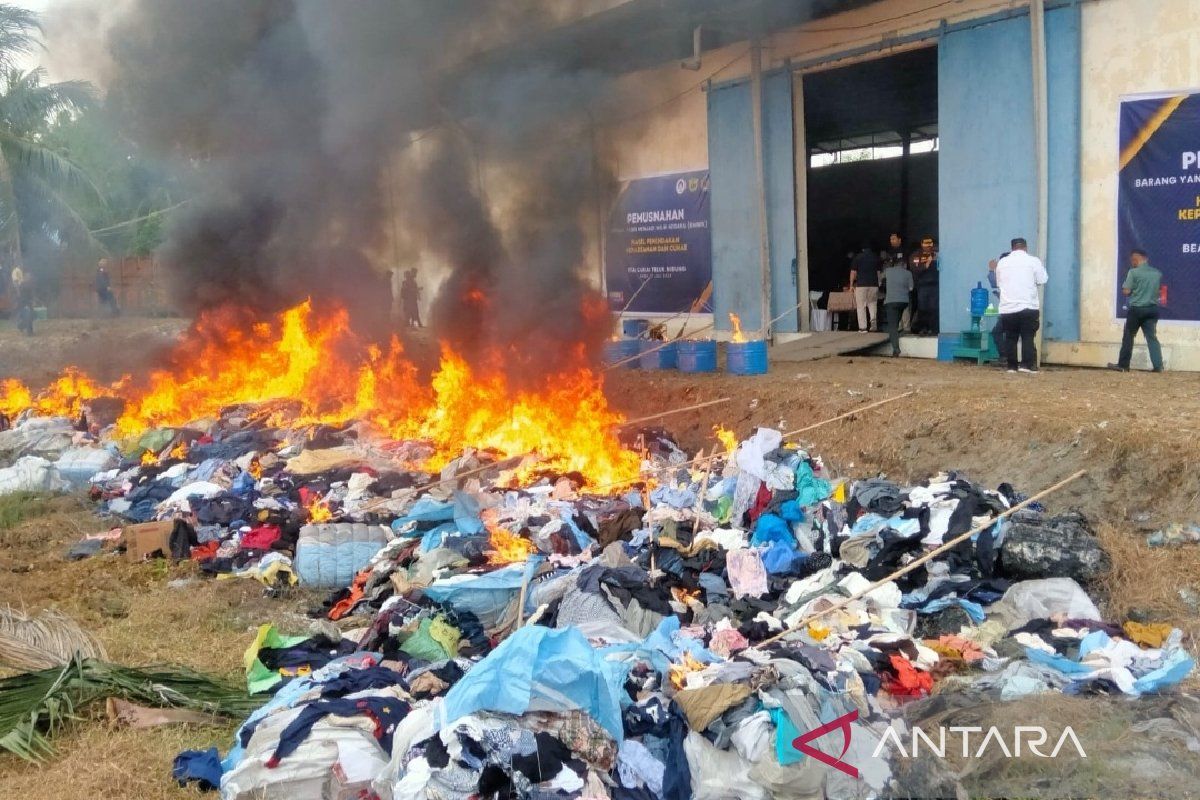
(504,463)
(703,491)
(521,600)
(912,565)
(661,414)
(858,410)
(645,283)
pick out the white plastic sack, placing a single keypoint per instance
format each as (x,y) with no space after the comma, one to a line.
(80,464)
(420,724)
(203,489)
(719,774)
(45,437)
(1040,599)
(750,453)
(335,762)
(32,474)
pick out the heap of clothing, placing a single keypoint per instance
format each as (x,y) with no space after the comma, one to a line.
(240,492)
(548,642)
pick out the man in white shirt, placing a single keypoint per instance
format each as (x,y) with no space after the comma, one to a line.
(1018,276)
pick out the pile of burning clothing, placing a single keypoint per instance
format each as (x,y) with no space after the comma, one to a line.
(679,640)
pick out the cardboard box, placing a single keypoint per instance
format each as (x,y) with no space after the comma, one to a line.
(143,539)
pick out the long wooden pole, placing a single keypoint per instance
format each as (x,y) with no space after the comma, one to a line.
(673,411)
(504,463)
(858,410)
(815,425)
(703,491)
(912,565)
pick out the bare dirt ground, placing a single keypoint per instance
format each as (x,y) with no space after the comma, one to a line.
(1136,434)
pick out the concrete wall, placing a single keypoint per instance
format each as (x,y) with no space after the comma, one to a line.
(1129,46)
(666,129)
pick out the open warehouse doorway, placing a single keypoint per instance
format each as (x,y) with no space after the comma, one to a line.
(871,158)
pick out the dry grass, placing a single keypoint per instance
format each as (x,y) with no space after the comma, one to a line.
(140,620)
(98,762)
(1149,579)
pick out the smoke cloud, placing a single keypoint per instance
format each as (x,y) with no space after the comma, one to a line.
(296,121)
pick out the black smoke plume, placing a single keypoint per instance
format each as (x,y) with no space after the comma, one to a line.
(296,121)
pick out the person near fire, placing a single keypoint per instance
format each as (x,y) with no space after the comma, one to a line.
(104,292)
(410,299)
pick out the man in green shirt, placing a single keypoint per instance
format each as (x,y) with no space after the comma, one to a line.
(1142,286)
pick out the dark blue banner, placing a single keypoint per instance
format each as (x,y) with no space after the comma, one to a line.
(1158,201)
(659,250)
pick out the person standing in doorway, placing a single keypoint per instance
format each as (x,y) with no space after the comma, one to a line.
(864,280)
(1018,276)
(410,299)
(897,286)
(1142,286)
(894,255)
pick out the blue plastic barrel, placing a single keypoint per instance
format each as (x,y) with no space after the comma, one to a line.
(633,328)
(656,355)
(624,352)
(696,355)
(747,358)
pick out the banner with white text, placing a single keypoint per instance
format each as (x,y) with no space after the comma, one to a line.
(659,249)
(1158,200)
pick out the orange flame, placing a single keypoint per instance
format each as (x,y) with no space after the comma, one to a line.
(507,547)
(302,370)
(736,322)
(678,672)
(62,398)
(727,438)
(180,451)
(149,459)
(318,511)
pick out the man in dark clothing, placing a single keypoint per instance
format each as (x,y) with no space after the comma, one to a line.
(925,288)
(104,291)
(410,297)
(897,283)
(864,281)
(1142,286)
(894,256)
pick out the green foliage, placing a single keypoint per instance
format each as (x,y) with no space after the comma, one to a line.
(35,705)
(18,507)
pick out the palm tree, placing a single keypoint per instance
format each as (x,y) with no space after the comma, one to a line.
(32,172)
(19,33)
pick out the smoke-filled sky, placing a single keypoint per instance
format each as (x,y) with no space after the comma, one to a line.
(294,120)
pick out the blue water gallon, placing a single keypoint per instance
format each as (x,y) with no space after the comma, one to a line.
(746,358)
(657,355)
(696,355)
(979,300)
(624,352)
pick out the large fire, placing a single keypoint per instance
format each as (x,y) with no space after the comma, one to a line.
(300,370)
(736,322)
(62,398)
